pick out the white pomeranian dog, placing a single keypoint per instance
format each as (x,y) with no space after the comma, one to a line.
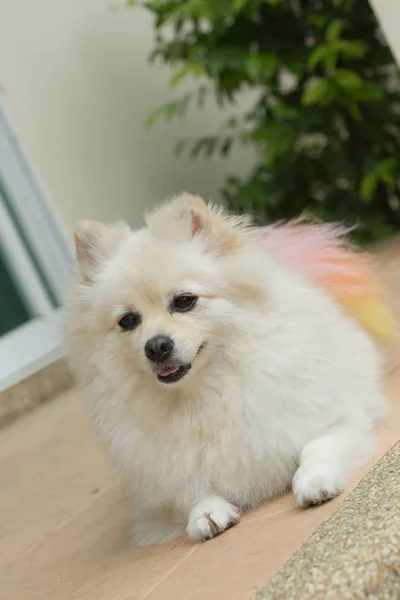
(216,377)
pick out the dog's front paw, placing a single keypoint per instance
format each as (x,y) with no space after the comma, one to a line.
(316,483)
(211,517)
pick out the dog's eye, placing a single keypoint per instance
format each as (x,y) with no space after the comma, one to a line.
(129,321)
(184,303)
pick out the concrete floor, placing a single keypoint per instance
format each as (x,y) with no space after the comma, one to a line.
(64,517)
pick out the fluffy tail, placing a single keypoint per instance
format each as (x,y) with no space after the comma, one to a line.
(321,252)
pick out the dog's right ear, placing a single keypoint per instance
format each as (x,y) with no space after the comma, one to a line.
(95,243)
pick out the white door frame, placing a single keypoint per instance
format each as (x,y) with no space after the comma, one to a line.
(41,341)
(47,237)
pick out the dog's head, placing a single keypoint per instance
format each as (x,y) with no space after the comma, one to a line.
(163,301)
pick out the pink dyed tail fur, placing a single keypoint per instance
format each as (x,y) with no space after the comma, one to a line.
(321,252)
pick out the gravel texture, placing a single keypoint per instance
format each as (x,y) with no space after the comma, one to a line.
(355,553)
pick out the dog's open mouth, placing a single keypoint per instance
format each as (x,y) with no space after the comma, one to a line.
(173,374)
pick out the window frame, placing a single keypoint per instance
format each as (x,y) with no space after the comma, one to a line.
(40,341)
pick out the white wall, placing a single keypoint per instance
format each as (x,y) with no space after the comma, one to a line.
(388,12)
(74,76)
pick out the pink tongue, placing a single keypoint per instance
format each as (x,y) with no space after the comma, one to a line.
(169,371)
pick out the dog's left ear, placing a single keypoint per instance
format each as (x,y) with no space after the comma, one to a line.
(200,216)
(187,217)
(183,217)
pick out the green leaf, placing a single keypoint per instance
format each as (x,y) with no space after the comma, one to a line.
(372,92)
(334,30)
(191,69)
(178,76)
(278,138)
(226,146)
(238,5)
(258,135)
(382,231)
(205,145)
(180,147)
(368,92)
(388,163)
(168,111)
(318,91)
(282,111)
(318,55)
(233,181)
(352,49)
(319,21)
(261,65)
(368,187)
(347,79)
(226,57)
(195,9)
(252,66)
(231,123)
(385,170)
(201,96)
(354,111)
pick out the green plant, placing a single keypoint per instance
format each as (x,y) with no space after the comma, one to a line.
(326,114)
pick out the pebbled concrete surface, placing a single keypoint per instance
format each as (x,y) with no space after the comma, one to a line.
(355,553)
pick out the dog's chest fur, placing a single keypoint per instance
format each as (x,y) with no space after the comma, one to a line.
(229,439)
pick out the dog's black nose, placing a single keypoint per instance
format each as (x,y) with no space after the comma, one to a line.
(158,348)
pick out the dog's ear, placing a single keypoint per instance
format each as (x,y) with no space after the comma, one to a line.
(199,213)
(188,216)
(183,217)
(95,243)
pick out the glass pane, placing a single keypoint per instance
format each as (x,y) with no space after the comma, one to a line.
(36,264)
(13,310)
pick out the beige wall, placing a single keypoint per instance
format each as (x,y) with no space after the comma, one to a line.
(388,12)
(74,76)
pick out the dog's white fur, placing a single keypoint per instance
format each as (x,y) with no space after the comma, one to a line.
(285,392)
